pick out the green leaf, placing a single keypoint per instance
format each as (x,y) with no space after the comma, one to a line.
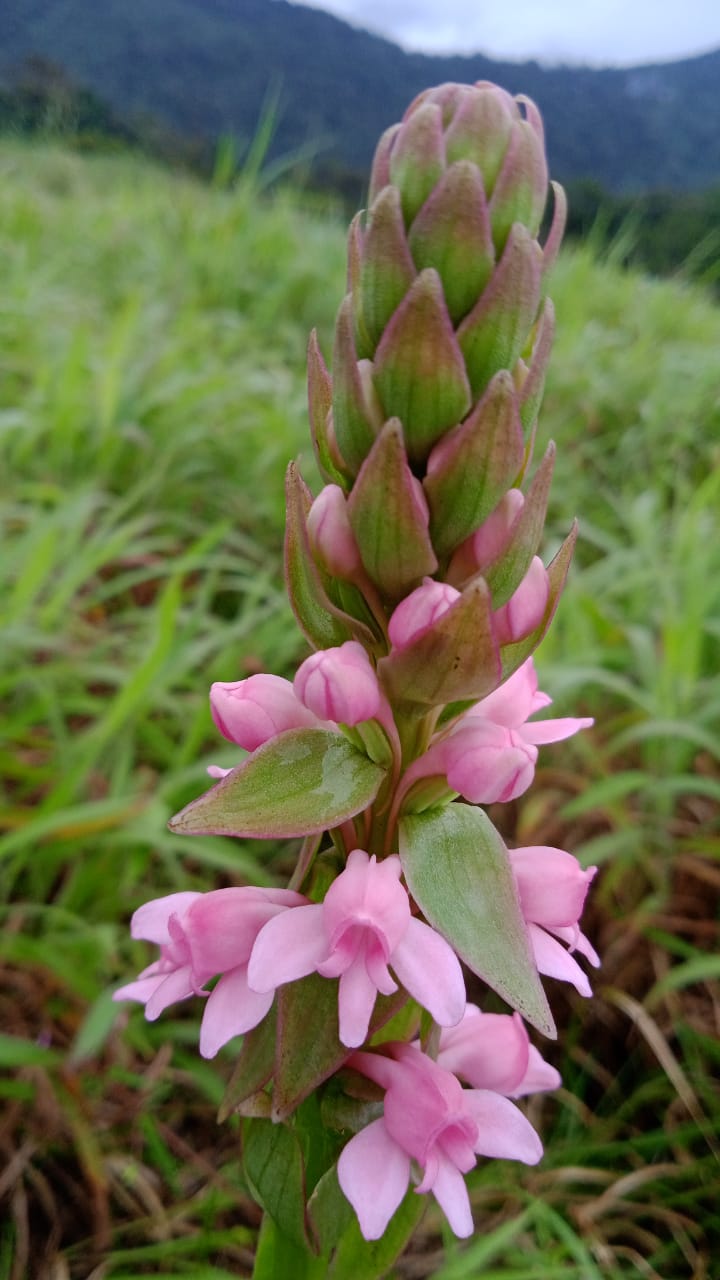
(253,1068)
(388,521)
(279,1257)
(359,1259)
(475,465)
(273,1166)
(308,1047)
(458,871)
(330,1214)
(302,781)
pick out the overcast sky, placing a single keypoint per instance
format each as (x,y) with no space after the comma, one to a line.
(599,32)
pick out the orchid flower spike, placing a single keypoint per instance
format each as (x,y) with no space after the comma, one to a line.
(363,926)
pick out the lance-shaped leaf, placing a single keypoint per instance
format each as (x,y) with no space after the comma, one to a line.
(308,1048)
(357,415)
(274,1169)
(419,369)
(480,131)
(531,392)
(474,465)
(452,234)
(417,158)
(493,335)
(507,573)
(454,659)
(513,655)
(324,624)
(387,269)
(389,516)
(458,871)
(301,781)
(319,405)
(521,188)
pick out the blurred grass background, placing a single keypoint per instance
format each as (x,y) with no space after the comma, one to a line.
(152,340)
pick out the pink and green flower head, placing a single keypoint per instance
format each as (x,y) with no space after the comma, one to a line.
(201,935)
(363,929)
(429,1121)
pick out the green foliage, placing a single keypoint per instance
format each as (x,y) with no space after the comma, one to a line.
(153,334)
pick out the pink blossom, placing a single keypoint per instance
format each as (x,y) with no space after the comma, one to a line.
(489,755)
(525,609)
(420,610)
(430,1119)
(552,887)
(251,712)
(492,1051)
(340,684)
(201,935)
(363,926)
(331,536)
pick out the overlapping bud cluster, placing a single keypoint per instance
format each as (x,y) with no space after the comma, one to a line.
(415,576)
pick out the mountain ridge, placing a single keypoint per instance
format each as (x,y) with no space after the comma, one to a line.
(204,67)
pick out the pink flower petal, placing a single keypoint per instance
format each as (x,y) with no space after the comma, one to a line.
(538,1078)
(554,961)
(141,990)
(150,921)
(428,968)
(451,1194)
(502,1128)
(290,946)
(551,883)
(541,731)
(356,1001)
(176,986)
(488,1050)
(513,702)
(578,942)
(231,1010)
(221,926)
(368,892)
(373,1172)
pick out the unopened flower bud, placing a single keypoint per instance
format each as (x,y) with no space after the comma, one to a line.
(331,537)
(419,610)
(525,609)
(339,684)
(488,543)
(250,712)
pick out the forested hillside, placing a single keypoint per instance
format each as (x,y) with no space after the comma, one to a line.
(204,67)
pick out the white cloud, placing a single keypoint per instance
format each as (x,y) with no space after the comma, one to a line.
(596,31)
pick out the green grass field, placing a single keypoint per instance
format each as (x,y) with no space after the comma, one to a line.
(152,338)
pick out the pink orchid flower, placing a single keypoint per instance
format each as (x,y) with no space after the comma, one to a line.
(429,1118)
(552,887)
(490,754)
(493,1051)
(251,712)
(525,609)
(363,926)
(201,935)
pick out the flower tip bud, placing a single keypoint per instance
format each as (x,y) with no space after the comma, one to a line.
(331,537)
(420,610)
(339,684)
